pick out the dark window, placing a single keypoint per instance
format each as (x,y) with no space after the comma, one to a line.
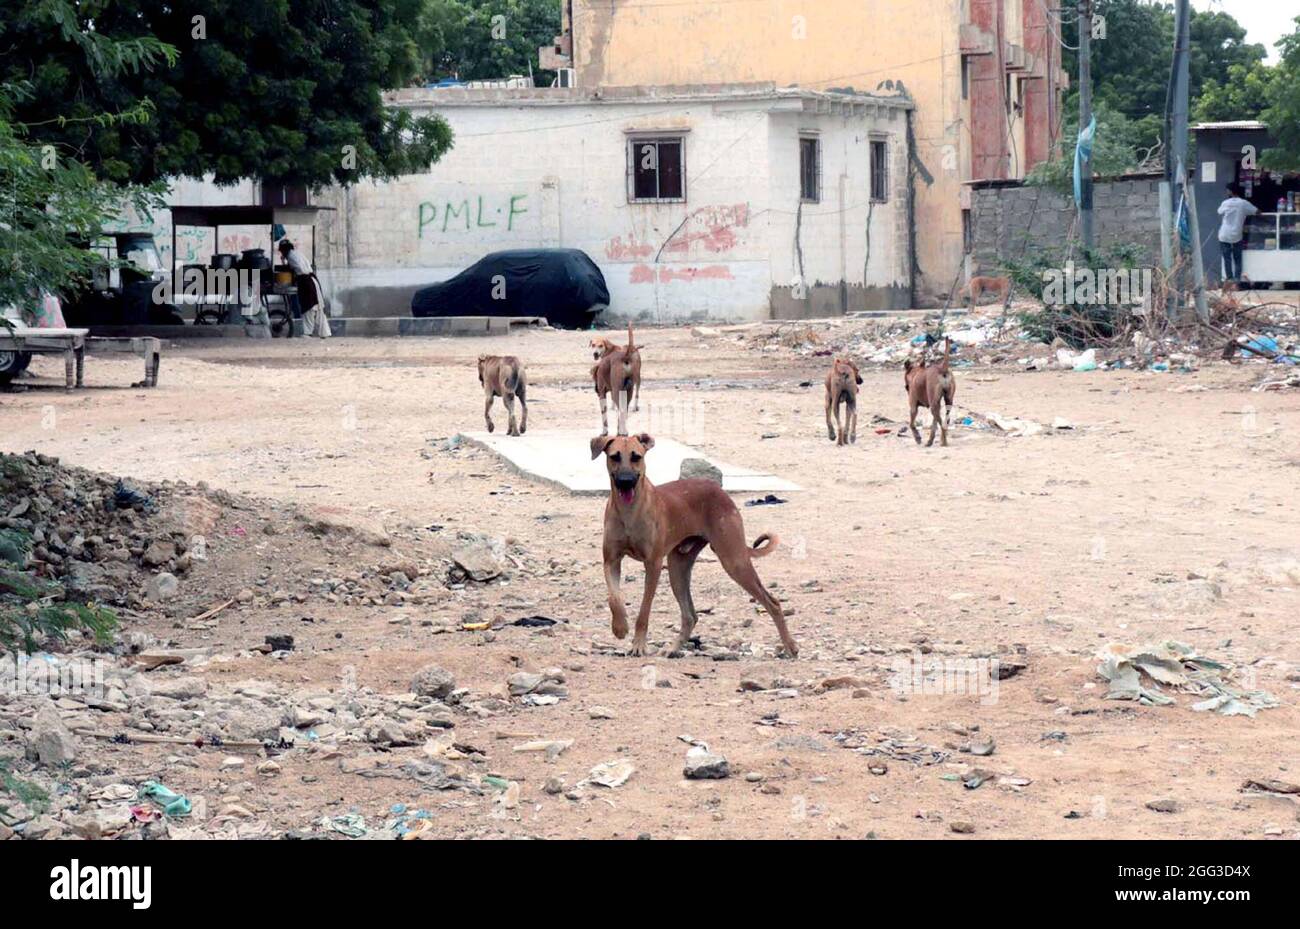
(658,169)
(810,170)
(880,171)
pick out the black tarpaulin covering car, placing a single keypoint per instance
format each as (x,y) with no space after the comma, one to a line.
(562,284)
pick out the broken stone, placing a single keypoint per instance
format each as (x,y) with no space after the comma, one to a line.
(50,741)
(433,681)
(702,764)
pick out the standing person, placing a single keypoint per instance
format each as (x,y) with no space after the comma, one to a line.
(311,296)
(1234,211)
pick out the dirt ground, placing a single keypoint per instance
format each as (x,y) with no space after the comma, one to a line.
(1167,513)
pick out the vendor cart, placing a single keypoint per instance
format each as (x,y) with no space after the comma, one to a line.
(277,297)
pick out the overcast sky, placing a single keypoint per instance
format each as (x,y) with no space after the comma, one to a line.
(1265,21)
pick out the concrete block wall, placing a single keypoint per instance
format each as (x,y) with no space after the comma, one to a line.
(1010,223)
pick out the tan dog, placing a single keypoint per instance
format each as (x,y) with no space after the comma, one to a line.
(842,395)
(503,376)
(600,347)
(618,372)
(930,385)
(979,287)
(675,521)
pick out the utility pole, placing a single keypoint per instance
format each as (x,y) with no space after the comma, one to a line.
(1085,118)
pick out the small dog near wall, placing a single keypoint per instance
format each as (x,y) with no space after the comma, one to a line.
(503,376)
(931,385)
(842,396)
(617,371)
(675,522)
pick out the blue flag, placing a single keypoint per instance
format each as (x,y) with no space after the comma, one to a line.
(1082,152)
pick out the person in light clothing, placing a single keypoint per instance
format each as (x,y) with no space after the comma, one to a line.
(1234,211)
(311,296)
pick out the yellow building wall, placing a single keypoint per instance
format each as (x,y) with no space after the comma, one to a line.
(817,44)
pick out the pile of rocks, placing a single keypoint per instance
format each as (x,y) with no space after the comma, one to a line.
(100,538)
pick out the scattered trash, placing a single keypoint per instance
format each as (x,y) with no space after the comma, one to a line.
(769,500)
(173,804)
(1083,361)
(1136,673)
(535,622)
(611,773)
(280,643)
(352,825)
(553,748)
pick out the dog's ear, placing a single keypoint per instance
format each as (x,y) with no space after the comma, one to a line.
(599,445)
(647,440)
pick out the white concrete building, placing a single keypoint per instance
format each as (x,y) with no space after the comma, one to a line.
(736,202)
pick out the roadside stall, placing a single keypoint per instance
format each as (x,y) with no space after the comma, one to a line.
(224,304)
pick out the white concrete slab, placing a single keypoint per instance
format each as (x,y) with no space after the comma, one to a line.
(563,459)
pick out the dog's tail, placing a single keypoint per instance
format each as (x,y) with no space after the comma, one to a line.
(512,377)
(772,540)
(631,344)
(947,350)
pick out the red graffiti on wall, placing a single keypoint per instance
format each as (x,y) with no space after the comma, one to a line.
(618,250)
(645,274)
(712,227)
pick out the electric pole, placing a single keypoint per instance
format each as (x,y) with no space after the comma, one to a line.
(1085,119)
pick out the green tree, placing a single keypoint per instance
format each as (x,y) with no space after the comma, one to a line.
(1131,64)
(1283,112)
(476,40)
(287,91)
(1244,94)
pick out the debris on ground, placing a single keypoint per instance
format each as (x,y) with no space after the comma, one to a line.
(1137,673)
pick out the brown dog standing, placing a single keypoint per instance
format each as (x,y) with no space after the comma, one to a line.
(617,372)
(978,287)
(930,385)
(675,521)
(503,376)
(842,396)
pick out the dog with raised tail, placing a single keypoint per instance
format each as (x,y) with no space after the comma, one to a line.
(933,386)
(504,377)
(617,371)
(673,522)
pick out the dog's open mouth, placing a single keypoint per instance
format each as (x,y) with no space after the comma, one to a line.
(626,489)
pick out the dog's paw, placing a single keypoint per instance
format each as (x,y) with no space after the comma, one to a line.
(637,650)
(673,650)
(786,651)
(491,427)
(619,628)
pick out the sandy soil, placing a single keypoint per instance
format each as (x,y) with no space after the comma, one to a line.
(1167,513)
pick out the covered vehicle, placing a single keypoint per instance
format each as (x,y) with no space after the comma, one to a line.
(562,284)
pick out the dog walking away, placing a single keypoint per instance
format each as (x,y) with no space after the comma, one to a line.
(931,385)
(842,397)
(617,372)
(980,287)
(673,522)
(503,376)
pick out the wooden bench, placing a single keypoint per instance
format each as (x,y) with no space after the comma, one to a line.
(147,347)
(73,344)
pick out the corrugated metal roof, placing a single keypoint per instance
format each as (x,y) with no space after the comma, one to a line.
(1232,124)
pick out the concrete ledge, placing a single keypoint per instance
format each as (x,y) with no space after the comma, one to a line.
(383,326)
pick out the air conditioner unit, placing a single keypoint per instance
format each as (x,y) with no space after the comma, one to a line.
(568,77)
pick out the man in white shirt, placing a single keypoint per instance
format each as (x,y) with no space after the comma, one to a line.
(1234,211)
(310,295)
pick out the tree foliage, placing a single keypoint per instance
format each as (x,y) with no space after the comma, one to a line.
(287,91)
(474,40)
(1283,112)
